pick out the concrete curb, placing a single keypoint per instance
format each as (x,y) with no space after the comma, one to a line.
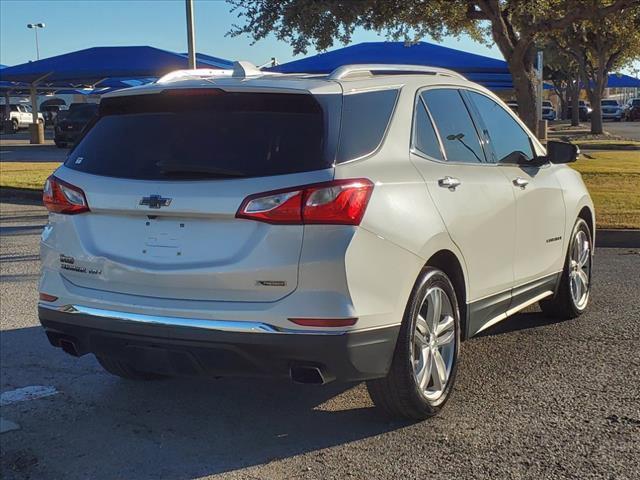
(619,148)
(604,238)
(618,238)
(10,193)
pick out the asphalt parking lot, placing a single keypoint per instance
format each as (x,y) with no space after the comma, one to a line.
(534,399)
(629,130)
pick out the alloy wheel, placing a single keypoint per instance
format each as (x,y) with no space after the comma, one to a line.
(434,343)
(580,269)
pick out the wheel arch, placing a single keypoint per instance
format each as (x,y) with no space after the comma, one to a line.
(448,262)
(588,216)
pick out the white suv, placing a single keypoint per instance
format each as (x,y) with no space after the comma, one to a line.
(351,226)
(20,115)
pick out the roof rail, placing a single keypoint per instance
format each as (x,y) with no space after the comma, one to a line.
(391,69)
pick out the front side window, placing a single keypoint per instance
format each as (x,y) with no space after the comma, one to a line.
(452,119)
(506,137)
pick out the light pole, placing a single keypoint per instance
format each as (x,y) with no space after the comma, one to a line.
(35,27)
(191,36)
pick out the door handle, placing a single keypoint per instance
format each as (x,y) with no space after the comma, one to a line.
(521,182)
(449,182)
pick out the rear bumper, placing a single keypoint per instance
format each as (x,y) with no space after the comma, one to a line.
(180,349)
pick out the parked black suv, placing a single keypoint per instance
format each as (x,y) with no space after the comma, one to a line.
(69,129)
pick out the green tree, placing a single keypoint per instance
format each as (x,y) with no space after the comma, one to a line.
(600,47)
(562,70)
(514,26)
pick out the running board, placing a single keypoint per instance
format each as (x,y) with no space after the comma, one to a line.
(515,309)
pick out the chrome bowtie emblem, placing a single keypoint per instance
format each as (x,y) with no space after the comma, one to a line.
(155,201)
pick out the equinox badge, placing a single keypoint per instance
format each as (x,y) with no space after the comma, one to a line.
(155,201)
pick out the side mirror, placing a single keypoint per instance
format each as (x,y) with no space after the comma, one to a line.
(562,152)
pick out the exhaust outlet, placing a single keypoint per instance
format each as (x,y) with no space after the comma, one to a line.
(68,347)
(307,375)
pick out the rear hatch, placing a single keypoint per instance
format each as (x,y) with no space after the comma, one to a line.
(164,175)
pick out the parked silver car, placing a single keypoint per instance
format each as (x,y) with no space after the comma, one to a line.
(351,226)
(612,110)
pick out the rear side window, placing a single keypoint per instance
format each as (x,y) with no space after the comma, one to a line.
(204,134)
(506,137)
(458,134)
(424,135)
(365,117)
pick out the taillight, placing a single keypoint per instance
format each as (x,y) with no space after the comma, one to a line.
(341,202)
(62,197)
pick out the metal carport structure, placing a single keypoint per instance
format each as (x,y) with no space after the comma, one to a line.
(491,72)
(91,66)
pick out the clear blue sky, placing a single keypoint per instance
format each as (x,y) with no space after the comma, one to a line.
(74,25)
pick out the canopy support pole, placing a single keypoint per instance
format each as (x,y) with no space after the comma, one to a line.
(7,106)
(36,129)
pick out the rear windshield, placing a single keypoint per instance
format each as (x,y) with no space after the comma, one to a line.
(609,102)
(204,134)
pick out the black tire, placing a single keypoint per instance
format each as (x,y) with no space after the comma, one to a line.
(14,126)
(398,394)
(562,305)
(123,369)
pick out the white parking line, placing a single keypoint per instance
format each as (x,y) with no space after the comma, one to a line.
(26,393)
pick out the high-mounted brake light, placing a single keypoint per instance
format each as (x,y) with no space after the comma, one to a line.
(62,197)
(339,202)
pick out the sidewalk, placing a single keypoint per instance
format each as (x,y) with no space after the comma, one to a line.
(15,147)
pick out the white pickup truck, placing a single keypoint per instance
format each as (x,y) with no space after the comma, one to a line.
(20,115)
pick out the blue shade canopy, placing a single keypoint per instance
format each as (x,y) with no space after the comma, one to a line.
(211,60)
(419,53)
(620,80)
(614,80)
(93,64)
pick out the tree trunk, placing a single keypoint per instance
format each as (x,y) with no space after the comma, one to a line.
(575,105)
(595,95)
(562,114)
(524,84)
(596,113)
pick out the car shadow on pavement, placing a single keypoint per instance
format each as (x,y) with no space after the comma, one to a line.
(100,426)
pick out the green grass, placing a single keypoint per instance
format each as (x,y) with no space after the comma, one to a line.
(29,175)
(612,177)
(613,180)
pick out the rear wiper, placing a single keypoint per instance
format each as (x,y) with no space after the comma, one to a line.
(167,168)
